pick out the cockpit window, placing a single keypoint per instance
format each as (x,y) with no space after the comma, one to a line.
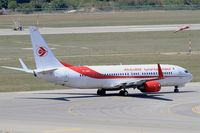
(186,71)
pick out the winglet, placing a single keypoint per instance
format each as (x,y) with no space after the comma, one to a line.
(160,73)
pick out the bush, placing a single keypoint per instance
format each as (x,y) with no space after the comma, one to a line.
(3,4)
(59,4)
(12,4)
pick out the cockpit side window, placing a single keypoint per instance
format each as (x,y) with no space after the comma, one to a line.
(186,71)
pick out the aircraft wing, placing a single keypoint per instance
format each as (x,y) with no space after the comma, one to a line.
(25,68)
(140,82)
(134,84)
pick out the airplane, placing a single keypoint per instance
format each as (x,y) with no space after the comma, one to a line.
(183,27)
(146,78)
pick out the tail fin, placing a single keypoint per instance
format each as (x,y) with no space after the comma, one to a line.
(44,57)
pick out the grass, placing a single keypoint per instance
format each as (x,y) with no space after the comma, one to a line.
(99,49)
(103,19)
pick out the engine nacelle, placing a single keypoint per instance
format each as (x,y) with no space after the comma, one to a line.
(150,86)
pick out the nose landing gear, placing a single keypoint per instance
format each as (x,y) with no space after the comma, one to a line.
(176,90)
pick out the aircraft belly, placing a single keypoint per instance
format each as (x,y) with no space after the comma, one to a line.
(171,81)
(89,83)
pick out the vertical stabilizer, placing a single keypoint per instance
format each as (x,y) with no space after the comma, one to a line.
(44,57)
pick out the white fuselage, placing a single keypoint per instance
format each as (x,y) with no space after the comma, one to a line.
(109,77)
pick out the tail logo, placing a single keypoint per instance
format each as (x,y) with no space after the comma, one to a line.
(41,51)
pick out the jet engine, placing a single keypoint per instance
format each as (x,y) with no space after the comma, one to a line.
(150,86)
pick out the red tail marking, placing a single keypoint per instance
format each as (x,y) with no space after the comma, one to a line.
(41,51)
(65,64)
(84,70)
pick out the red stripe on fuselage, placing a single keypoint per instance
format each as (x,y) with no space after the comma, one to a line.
(86,71)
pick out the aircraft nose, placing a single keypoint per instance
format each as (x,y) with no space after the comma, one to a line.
(190,77)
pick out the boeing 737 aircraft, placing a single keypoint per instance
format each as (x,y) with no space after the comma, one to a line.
(146,78)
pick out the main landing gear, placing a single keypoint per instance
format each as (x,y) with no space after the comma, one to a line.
(176,90)
(101,92)
(123,92)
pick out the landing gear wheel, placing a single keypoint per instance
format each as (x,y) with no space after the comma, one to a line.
(176,90)
(123,93)
(101,92)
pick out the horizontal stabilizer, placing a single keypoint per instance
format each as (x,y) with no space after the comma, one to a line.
(23,69)
(18,69)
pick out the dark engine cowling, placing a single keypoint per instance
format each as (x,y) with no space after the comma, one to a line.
(150,86)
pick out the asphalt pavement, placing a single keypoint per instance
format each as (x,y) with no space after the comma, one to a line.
(82,111)
(102,29)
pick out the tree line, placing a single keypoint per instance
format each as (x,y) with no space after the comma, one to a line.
(75,4)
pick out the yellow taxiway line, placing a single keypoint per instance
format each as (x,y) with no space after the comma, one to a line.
(196,109)
(62,130)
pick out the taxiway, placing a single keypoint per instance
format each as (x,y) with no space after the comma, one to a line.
(82,111)
(101,29)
